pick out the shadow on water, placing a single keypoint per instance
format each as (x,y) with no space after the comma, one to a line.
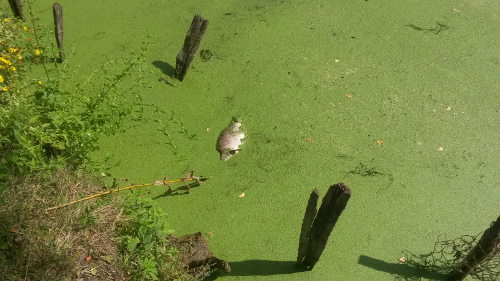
(181,190)
(165,67)
(257,268)
(401,271)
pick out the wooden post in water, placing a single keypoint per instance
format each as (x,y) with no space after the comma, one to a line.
(487,246)
(331,208)
(17,9)
(306,225)
(58,22)
(191,44)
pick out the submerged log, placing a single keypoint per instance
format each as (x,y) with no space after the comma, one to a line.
(191,43)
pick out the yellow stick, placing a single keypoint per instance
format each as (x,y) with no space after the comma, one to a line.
(118,189)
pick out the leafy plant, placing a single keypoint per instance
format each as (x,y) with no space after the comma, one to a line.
(87,218)
(183,129)
(170,142)
(145,243)
(49,123)
(166,130)
(45,123)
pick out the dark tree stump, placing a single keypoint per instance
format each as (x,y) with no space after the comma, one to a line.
(195,255)
(58,22)
(17,9)
(487,246)
(307,224)
(331,208)
(191,44)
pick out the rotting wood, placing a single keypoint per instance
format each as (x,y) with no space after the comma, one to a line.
(17,9)
(58,22)
(311,211)
(191,43)
(331,208)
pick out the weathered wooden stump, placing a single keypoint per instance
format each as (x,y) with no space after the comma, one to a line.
(307,224)
(195,255)
(487,246)
(58,22)
(191,43)
(331,208)
(17,9)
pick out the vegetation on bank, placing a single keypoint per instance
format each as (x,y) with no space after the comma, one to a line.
(48,128)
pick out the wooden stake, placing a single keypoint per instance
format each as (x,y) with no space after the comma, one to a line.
(58,22)
(17,9)
(484,250)
(331,208)
(306,225)
(191,44)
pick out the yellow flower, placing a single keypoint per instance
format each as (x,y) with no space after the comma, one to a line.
(6,20)
(40,82)
(25,28)
(19,57)
(12,68)
(5,61)
(38,52)
(11,50)
(5,88)
(1,78)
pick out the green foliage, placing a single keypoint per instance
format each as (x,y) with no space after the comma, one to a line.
(144,243)
(183,129)
(45,123)
(49,123)
(87,219)
(177,125)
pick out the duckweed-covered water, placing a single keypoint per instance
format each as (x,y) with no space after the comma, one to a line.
(399,99)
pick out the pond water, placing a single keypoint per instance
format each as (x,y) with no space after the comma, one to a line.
(399,99)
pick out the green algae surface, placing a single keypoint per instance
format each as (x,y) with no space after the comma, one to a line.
(399,99)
